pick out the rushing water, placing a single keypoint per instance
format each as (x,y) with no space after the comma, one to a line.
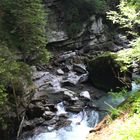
(78,130)
(82,122)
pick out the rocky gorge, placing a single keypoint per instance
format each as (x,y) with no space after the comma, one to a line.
(65,97)
(68,68)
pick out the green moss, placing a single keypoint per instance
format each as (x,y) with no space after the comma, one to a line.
(105,72)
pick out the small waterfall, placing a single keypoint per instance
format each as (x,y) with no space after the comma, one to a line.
(60,108)
(81,124)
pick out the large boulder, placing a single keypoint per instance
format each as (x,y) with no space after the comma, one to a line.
(35,110)
(105,73)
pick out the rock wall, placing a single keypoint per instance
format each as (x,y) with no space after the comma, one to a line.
(94,34)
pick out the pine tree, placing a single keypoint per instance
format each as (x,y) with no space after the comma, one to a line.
(24,26)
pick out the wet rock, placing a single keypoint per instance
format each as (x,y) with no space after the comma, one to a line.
(30,125)
(60,72)
(75,109)
(85,94)
(47,108)
(47,115)
(80,68)
(51,122)
(105,73)
(63,116)
(62,123)
(34,111)
(51,107)
(70,95)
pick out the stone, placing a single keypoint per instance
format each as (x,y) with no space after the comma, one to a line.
(64,116)
(55,36)
(51,107)
(67,68)
(38,75)
(97,26)
(75,109)
(60,72)
(73,79)
(70,95)
(121,40)
(62,123)
(30,125)
(105,73)
(47,115)
(85,94)
(34,111)
(80,68)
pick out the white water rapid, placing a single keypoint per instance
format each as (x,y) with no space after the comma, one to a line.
(78,129)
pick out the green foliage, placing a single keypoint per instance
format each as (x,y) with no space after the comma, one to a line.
(115,113)
(78,11)
(23,26)
(119,94)
(3,95)
(22,40)
(130,129)
(12,72)
(14,77)
(128,17)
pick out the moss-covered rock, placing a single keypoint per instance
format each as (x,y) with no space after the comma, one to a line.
(105,73)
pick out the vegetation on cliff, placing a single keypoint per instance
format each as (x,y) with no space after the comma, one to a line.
(128,17)
(127,117)
(22,42)
(78,11)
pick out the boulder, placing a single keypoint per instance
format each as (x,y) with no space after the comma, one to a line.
(60,72)
(80,68)
(85,94)
(77,107)
(30,125)
(34,111)
(73,79)
(47,115)
(70,96)
(105,73)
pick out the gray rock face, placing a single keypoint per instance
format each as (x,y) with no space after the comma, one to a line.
(97,27)
(56,36)
(93,32)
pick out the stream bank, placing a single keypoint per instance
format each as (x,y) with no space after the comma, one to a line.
(66,79)
(64,102)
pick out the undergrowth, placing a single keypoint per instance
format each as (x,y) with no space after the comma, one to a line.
(130,129)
